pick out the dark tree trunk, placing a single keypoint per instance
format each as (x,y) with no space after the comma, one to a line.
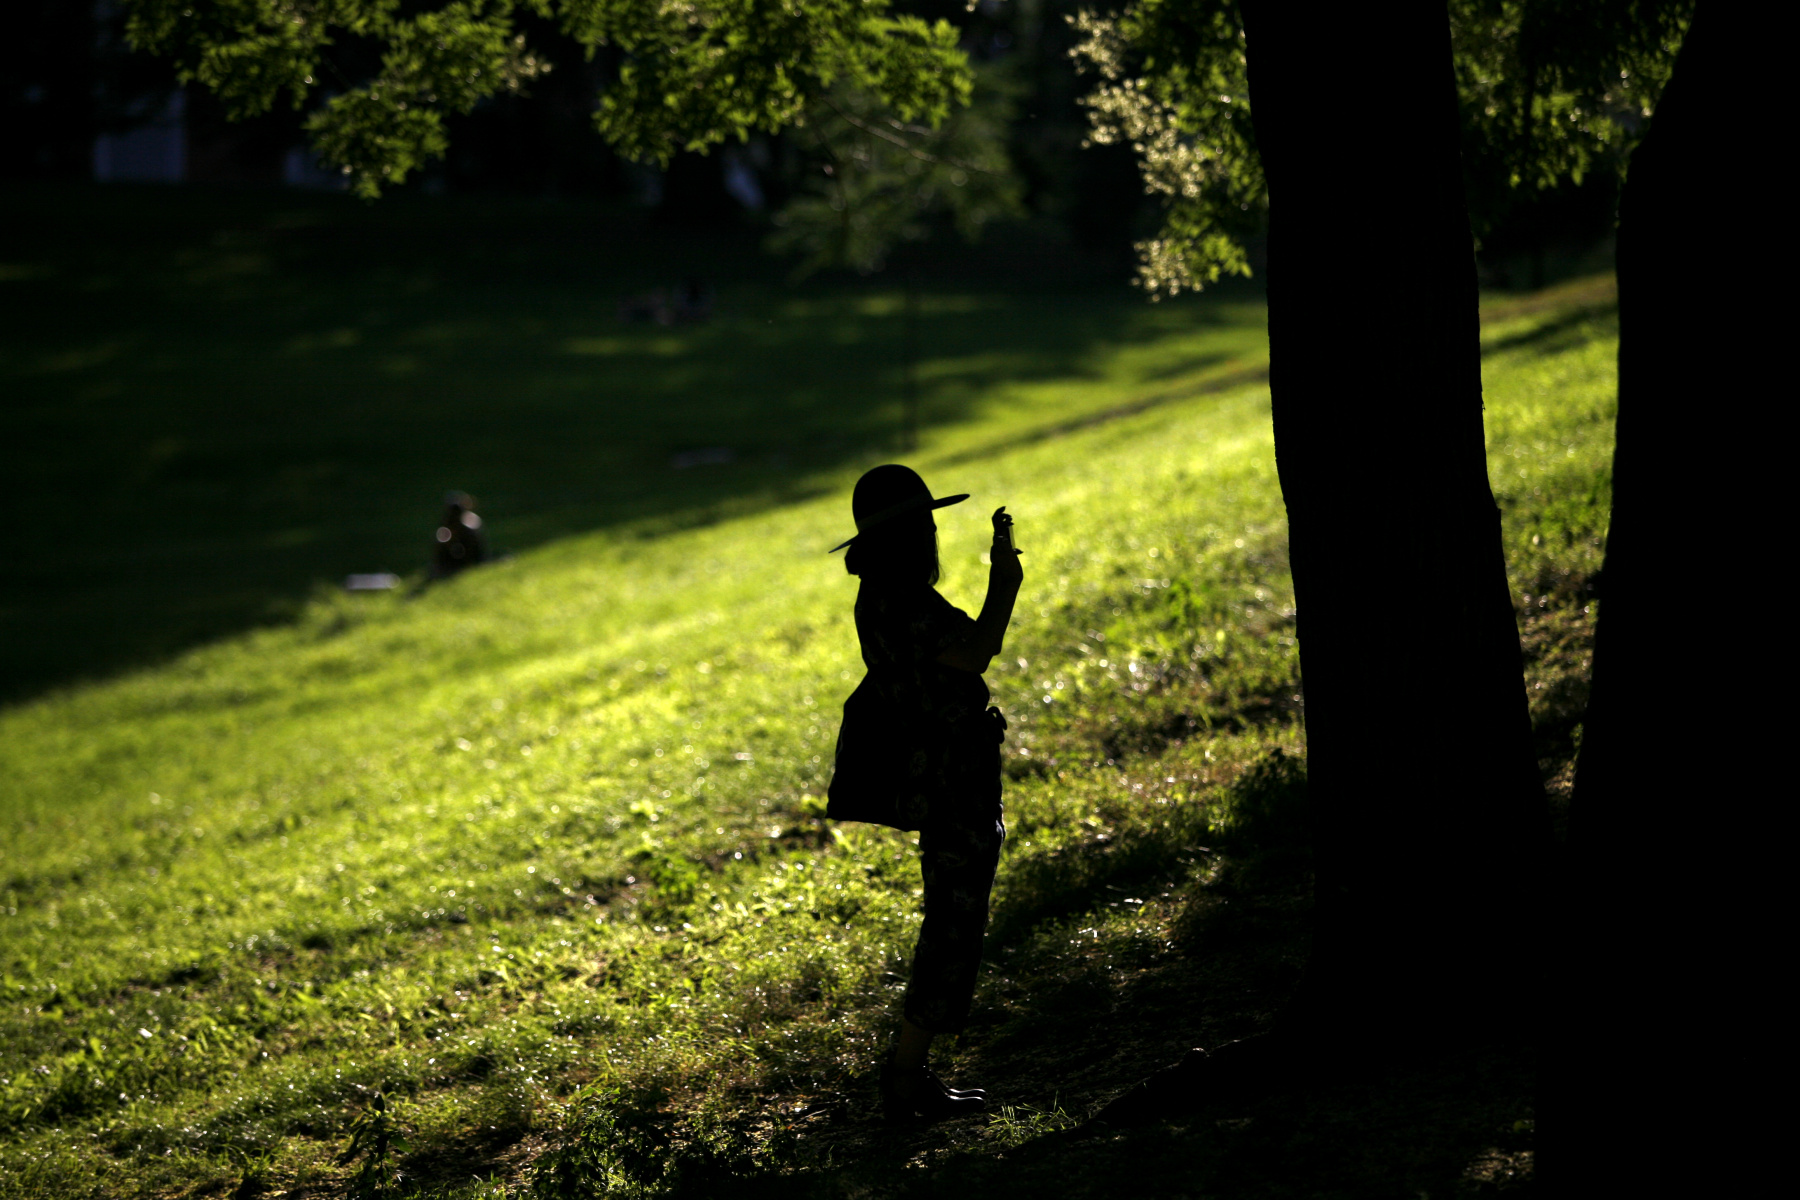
(1428,810)
(1666,988)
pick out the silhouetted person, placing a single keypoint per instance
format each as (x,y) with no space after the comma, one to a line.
(920,750)
(459,543)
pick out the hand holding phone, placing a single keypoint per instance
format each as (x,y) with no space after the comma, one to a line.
(1004,556)
(1003,523)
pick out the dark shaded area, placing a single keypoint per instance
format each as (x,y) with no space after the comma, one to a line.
(65,76)
(1553,234)
(217,399)
(1643,948)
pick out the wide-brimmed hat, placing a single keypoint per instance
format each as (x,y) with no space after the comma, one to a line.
(890,491)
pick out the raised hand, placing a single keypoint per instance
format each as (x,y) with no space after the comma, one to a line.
(1004,577)
(1004,556)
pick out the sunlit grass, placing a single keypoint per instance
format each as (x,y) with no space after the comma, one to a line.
(253,394)
(550,833)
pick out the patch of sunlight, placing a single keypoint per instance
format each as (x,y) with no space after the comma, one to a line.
(893,304)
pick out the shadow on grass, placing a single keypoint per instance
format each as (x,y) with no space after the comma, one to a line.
(1071,1016)
(1567,329)
(1074,1008)
(1451,1128)
(218,401)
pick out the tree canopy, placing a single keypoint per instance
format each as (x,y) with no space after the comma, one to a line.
(1548,91)
(880,175)
(380,77)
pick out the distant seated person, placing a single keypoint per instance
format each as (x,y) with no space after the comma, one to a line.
(694,302)
(661,306)
(459,540)
(652,307)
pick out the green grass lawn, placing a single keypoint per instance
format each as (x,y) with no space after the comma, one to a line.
(217,401)
(537,855)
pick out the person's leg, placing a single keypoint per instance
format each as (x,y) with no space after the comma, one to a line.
(957,860)
(958,869)
(912,1048)
(959,851)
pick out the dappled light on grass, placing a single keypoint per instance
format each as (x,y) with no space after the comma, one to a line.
(537,855)
(248,438)
(551,823)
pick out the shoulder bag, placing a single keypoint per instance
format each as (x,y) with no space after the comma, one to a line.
(870,772)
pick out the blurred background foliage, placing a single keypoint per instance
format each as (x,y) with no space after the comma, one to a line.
(880,179)
(1121,128)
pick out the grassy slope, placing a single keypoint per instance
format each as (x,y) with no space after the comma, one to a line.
(552,826)
(216,401)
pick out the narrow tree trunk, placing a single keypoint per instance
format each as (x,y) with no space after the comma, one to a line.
(1658,1078)
(1427,806)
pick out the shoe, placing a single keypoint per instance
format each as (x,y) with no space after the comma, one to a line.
(978,1093)
(919,1095)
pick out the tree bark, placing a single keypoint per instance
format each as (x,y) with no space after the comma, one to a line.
(1428,811)
(1655,1079)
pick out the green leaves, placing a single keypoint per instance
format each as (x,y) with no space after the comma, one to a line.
(248,52)
(1551,90)
(877,178)
(438,62)
(1173,88)
(374,1138)
(694,74)
(687,74)
(1548,91)
(375,141)
(914,67)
